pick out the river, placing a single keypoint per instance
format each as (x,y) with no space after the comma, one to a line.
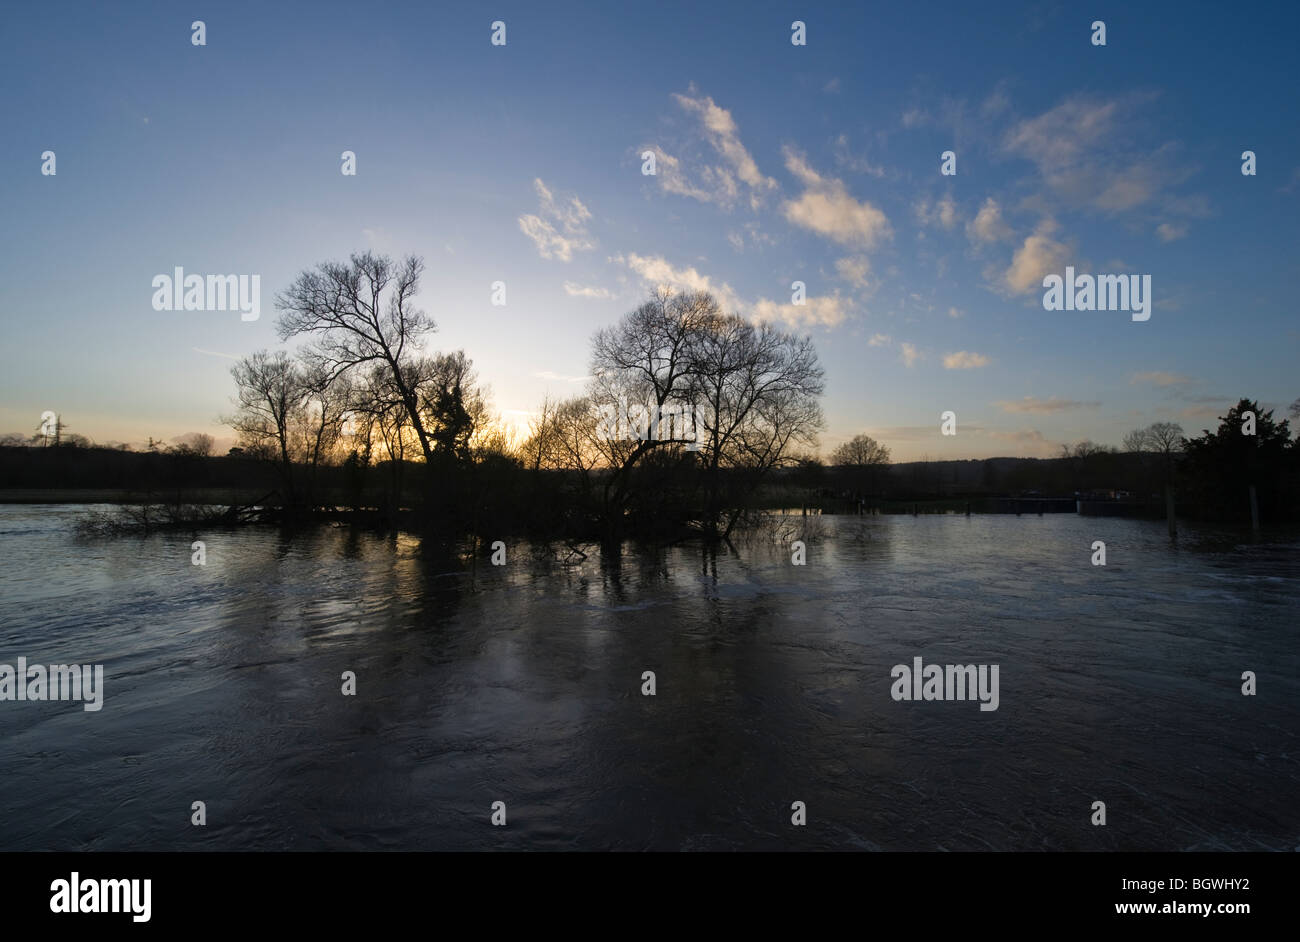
(523,684)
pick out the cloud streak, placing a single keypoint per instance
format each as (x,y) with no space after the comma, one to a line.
(1034,406)
(559,228)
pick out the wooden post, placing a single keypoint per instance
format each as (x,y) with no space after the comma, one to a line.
(1169,510)
(1254,509)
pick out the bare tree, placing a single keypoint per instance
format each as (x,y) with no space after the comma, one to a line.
(865,455)
(643,367)
(860,451)
(1160,438)
(318,422)
(755,390)
(269,395)
(1088,448)
(362,313)
(540,446)
(1166,438)
(742,396)
(194,443)
(1136,441)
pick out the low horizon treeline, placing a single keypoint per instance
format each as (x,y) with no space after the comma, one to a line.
(1211,476)
(361,417)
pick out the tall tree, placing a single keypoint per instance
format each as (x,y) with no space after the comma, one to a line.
(860,451)
(1225,464)
(268,398)
(363,313)
(866,457)
(679,376)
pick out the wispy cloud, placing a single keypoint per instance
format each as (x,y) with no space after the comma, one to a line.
(657,271)
(1036,406)
(214,353)
(1084,151)
(1160,378)
(826,311)
(846,159)
(561,228)
(707,184)
(1169,232)
(910,355)
(1037,256)
(964,360)
(575,290)
(826,208)
(941,212)
(717,183)
(988,225)
(1029,441)
(854,270)
(559,378)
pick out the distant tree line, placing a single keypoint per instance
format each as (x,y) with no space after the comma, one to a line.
(693,418)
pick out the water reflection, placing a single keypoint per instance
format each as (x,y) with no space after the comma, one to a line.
(523,684)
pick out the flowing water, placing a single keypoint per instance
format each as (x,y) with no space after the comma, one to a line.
(523,684)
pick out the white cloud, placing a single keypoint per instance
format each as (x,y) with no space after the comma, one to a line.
(573,289)
(708,184)
(954,312)
(879,340)
(561,228)
(826,311)
(1039,255)
(964,360)
(657,272)
(987,226)
(941,213)
(854,270)
(826,208)
(1168,232)
(910,355)
(947,212)
(721,132)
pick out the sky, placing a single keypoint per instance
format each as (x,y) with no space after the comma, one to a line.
(775,163)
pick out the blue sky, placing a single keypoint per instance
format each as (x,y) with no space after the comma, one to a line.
(776,163)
